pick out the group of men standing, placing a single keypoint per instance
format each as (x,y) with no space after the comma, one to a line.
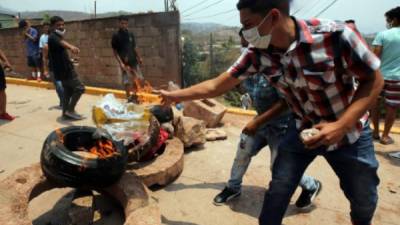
(50,53)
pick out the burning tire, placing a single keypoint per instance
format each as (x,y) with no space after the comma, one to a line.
(72,156)
(139,152)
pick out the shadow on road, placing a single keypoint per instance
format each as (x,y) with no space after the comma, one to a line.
(62,121)
(166,221)
(249,203)
(385,154)
(4,122)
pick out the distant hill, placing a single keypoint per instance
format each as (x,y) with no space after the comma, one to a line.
(70,15)
(6,11)
(67,15)
(196,28)
(200,32)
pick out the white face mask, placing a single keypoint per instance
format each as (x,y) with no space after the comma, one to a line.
(253,36)
(61,32)
(389,25)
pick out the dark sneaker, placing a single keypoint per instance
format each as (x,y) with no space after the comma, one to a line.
(225,195)
(307,197)
(73,116)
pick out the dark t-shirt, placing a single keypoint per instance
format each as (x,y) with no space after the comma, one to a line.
(2,79)
(123,42)
(59,61)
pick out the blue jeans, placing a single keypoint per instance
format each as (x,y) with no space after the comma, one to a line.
(249,146)
(59,88)
(355,165)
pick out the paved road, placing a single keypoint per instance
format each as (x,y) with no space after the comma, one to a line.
(188,200)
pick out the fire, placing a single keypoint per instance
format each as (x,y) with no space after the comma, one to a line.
(103,149)
(145,93)
(60,135)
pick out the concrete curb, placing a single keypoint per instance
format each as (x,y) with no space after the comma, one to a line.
(49,85)
(121,94)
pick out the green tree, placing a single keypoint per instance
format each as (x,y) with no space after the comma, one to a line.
(46,18)
(191,58)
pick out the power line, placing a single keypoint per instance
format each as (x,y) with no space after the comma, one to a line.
(308,12)
(326,8)
(313,7)
(213,15)
(233,16)
(301,8)
(193,7)
(204,8)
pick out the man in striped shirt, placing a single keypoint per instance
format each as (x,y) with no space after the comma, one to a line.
(329,78)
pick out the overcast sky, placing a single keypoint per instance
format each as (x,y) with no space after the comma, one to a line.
(369,14)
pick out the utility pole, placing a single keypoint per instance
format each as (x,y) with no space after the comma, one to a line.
(173,5)
(211,55)
(95,9)
(166,5)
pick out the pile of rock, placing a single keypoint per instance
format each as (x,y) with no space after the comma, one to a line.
(197,123)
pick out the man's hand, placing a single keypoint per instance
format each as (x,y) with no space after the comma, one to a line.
(124,67)
(45,72)
(330,133)
(167,98)
(75,50)
(251,128)
(140,60)
(7,65)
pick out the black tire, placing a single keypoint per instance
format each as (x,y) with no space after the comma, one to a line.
(164,114)
(61,166)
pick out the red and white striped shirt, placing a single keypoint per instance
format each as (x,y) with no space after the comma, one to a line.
(318,73)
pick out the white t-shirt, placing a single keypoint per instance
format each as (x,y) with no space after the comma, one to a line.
(44,39)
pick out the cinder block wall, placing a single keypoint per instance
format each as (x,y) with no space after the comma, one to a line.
(157,37)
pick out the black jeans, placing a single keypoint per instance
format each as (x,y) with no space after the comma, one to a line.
(73,90)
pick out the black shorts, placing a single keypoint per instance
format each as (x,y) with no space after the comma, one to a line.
(34,61)
(2,79)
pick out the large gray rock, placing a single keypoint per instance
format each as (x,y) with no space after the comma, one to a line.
(190,131)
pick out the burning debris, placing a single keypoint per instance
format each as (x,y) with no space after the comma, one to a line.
(144,94)
(102,148)
(60,135)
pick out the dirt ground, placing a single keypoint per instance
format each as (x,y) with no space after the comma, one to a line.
(188,201)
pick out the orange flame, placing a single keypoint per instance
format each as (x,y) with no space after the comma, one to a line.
(144,93)
(103,149)
(60,135)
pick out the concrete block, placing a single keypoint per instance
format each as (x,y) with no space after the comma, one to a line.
(152,31)
(208,110)
(141,21)
(106,52)
(137,31)
(144,42)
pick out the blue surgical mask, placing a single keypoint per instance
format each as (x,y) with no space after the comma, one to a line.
(253,36)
